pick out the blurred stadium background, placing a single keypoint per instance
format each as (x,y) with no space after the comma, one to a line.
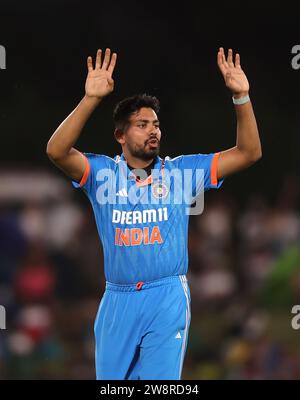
(244,251)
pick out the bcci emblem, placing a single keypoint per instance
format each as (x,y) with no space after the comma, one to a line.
(160,190)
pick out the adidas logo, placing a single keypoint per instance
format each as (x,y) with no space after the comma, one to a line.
(122,193)
(178,336)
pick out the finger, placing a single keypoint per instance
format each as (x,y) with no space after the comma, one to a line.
(90,63)
(237,60)
(112,63)
(98,59)
(106,59)
(229,58)
(220,57)
(224,62)
(220,60)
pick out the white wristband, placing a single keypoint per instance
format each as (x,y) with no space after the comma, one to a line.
(241,100)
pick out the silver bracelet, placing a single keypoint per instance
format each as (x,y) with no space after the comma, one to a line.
(241,100)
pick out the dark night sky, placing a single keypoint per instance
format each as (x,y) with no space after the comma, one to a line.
(165,50)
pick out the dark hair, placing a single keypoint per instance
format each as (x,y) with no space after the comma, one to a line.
(130,105)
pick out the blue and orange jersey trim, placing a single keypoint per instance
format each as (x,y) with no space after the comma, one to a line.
(214,169)
(149,179)
(86,172)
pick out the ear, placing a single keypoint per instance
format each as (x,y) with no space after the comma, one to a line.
(119,135)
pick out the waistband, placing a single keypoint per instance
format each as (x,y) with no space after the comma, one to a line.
(133,287)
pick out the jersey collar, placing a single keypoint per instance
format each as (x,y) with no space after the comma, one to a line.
(158,164)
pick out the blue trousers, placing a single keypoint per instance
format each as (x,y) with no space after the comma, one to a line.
(141,330)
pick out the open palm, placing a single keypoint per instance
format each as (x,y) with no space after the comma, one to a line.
(99,82)
(234,76)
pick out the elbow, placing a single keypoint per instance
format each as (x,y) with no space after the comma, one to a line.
(254,157)
(258,154)
(49,151)
(52,152)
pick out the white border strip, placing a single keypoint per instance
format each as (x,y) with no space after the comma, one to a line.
(183,281)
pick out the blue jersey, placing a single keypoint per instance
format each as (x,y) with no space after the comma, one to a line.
(143,223)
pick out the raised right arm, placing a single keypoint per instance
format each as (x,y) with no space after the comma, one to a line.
(99,83)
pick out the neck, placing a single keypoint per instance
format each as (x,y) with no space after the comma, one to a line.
(135,162)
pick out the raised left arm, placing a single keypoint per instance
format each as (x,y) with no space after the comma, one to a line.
(248,147)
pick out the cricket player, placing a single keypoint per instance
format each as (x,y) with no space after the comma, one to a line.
(140,203)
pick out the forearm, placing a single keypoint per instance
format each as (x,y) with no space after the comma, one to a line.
(248,141)
(68,132)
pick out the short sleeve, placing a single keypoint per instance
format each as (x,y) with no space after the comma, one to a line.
(94,162)
(204,168)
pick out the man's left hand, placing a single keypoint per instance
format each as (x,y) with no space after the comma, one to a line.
(234,76)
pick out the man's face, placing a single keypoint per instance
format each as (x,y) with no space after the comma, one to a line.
(142,136)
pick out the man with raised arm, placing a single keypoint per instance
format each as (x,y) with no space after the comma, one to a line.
(140,205)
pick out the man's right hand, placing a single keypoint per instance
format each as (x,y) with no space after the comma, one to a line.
(99,82)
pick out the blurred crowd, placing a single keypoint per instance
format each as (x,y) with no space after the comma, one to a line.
(244,276)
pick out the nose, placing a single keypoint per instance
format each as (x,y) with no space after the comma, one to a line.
(154,131)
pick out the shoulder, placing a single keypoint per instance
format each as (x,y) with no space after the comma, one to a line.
(173,160)
(100,159)
(188,158)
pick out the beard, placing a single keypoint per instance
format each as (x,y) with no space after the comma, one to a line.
(142,152)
